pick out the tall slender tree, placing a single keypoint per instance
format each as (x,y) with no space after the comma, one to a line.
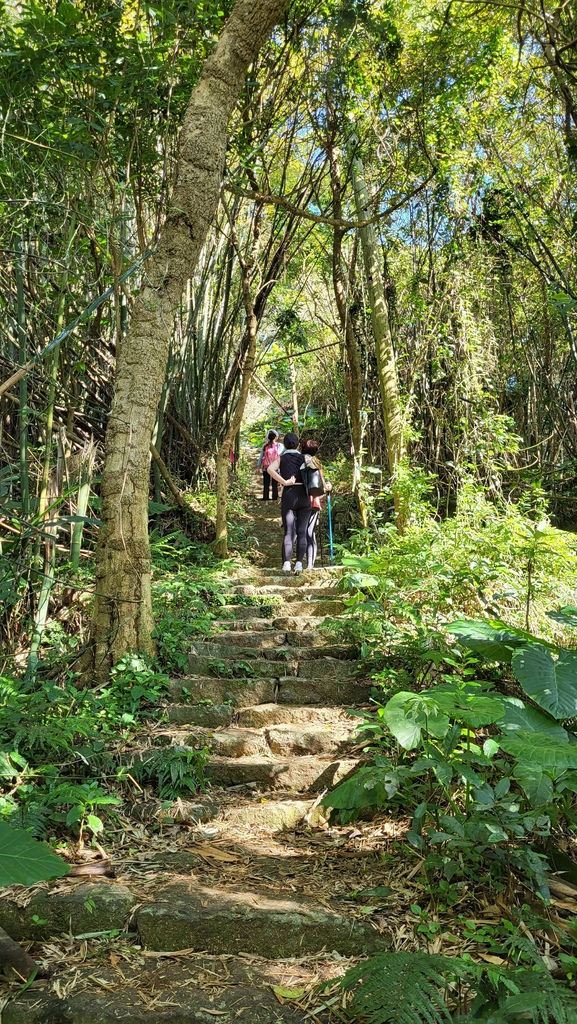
(122,617)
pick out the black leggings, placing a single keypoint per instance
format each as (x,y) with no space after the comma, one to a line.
(312,538)
(295,511)
(266,482)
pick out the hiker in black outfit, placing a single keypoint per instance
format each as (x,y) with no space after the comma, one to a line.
(270,452)
(295,505)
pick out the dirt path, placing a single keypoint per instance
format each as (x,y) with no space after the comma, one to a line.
(250,890)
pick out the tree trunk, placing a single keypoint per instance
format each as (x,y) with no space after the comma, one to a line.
(122,616)
(353,375)
(223,455)
(385,353)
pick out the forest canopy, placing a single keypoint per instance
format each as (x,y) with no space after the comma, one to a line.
(353,221)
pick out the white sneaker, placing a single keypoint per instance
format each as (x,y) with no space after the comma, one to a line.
(286,567)
(298,566)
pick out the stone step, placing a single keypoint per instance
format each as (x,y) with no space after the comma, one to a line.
(261,715)
(300,622)
(250,575)
(281,740)
(328,689)
(246,625)
(225,655)
(188,916)
(284,740)
(296,774)
(257,641)
(330,607)
(304,591)
(244,665)
(238,692)
(237,612)
(88,907)
(315,606)
(232,742)
(209,715)
(274,814)
(180,994)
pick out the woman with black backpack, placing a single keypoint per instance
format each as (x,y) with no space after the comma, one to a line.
(295,504)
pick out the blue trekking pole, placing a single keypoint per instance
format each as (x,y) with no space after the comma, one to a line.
(330,529)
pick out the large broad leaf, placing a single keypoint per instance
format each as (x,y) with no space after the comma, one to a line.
(492,639)
(535,783)
(550,682)
(369,787)
(472,709)
(542,751)
(567,615)
(520,717)
(24,860)
(408,715)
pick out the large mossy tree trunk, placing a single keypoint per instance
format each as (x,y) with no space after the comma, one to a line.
(122,617)
(384,349)
(249,347)
(353,373)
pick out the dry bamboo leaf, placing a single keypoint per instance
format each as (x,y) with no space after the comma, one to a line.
(174,952)
(213,853)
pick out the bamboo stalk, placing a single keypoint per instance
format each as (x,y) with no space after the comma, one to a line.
(23,422)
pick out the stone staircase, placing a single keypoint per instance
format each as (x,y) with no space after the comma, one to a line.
(267,694)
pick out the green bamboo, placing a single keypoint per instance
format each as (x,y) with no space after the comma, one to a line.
(82,505)
(23,422)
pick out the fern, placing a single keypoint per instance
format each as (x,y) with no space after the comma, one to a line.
(401,988)
(407,988)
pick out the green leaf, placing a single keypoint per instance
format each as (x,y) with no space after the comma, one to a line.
(520,717)
(536,785)
(567,615)
(540,750)
(288,993)
(492,639)
(24,860)
(369,787)
(551,683)
(408,715)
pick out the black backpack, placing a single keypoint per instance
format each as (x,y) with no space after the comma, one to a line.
(313,481)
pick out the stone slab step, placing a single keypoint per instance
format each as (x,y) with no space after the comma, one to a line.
(282,740)
(315,606)
(241,665)
(187,999)
(246,625)
(296,774)
(188,916)
(327,691)
(303,740)
(90,907)
(261,652)
(276,815)
(239,692)
(260,640)
(209,716)
(286,593)
(249,574)
(232,742)
(234,612)
(261,715)
(300,622)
